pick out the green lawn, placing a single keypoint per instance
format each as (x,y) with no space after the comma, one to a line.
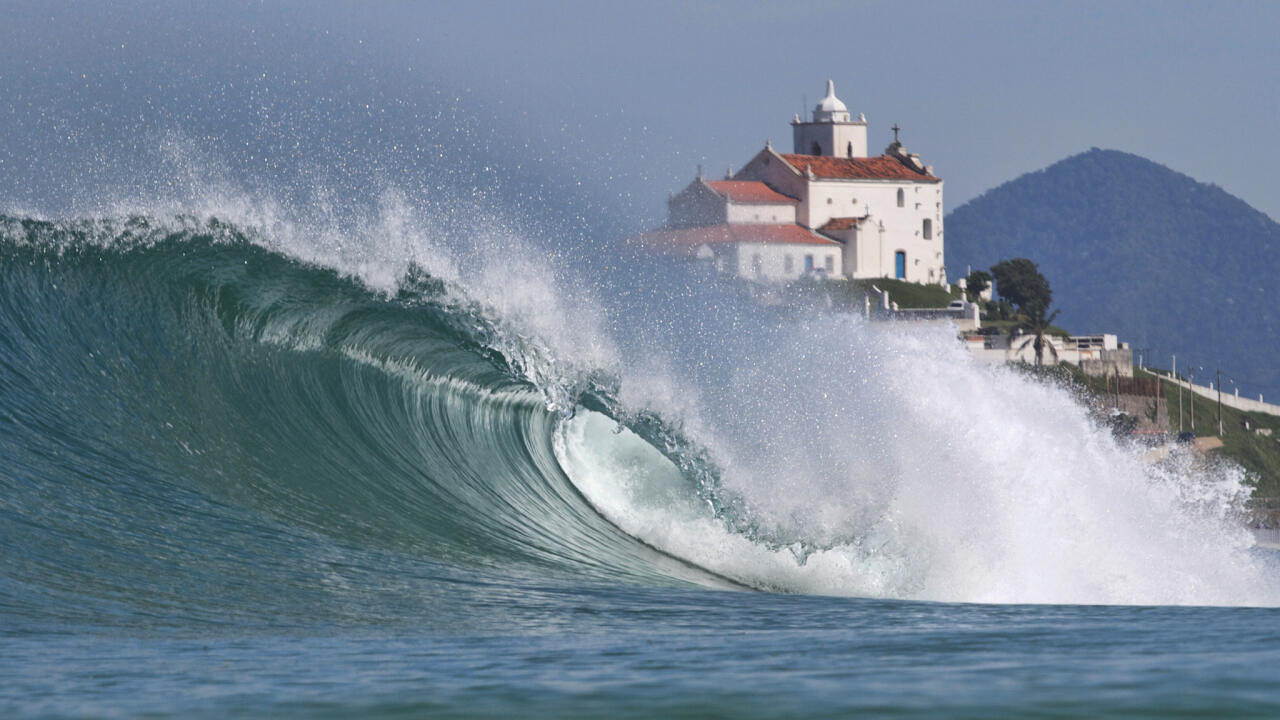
(906,294)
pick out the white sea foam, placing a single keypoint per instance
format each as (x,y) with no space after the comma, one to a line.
(880,460)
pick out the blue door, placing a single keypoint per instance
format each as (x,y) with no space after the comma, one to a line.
(900,265)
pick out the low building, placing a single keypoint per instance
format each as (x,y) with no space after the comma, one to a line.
(757,251)
(1094,354)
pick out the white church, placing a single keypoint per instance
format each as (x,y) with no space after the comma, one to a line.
(825,209)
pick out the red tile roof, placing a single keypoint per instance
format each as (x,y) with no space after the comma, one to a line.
(681,240)
(750,192)
(884,167)
(843,223)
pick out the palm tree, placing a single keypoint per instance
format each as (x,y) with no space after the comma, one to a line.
(1034,323)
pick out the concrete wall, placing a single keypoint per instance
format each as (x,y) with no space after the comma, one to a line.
(1103,362)
(1152,412)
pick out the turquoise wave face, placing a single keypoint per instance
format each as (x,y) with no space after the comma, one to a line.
(194,426)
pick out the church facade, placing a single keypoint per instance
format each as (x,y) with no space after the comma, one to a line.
(825,209)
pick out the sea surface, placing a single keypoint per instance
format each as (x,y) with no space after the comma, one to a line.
(240,476)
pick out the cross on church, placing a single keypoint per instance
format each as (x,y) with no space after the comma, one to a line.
(895,130)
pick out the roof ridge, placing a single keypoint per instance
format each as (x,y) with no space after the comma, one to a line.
(879,167)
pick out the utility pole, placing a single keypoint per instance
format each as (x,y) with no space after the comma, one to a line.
(1177,380)
(1191,390)
(1219,402)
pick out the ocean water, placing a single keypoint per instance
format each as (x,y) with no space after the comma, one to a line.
(263,468)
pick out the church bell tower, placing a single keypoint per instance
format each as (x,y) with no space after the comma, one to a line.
(831,133)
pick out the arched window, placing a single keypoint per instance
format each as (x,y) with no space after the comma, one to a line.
(850,150)
(900,264)
(928,229)
(902,198)
(816,149)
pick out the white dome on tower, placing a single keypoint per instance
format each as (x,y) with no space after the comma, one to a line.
(830,109)
(831,103)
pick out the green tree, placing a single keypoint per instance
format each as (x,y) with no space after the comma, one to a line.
(976,283)
(1020,282)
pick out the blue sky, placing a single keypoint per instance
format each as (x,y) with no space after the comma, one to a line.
(630,98)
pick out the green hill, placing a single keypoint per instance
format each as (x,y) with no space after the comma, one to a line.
(1170,264)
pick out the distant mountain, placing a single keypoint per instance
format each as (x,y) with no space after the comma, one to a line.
(1129,246)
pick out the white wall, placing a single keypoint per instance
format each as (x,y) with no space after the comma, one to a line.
(770,214)
(773,259)
(903,226)
(833,138)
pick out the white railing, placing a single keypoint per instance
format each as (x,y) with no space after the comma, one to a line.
(1229,399)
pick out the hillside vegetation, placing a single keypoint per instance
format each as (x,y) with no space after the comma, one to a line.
(1170,264)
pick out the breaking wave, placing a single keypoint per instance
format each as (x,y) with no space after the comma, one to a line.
(187,397)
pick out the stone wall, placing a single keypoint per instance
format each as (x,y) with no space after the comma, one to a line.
(1111,362)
